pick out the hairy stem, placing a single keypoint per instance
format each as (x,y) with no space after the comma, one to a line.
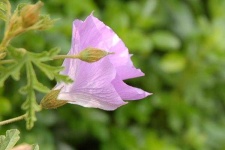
(13,120)
(4,43)
(66,56)
(9,61)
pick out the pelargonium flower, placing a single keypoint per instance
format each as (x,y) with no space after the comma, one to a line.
(99,84)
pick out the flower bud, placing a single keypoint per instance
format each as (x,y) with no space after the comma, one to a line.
(30,14)
(50,100)
(92,54)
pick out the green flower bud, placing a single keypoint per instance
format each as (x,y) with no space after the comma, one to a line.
(92,54)
(50,100)
(30,14)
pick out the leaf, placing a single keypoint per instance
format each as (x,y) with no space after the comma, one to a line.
(64,78)
(16,53)
(35,147)
(173,62)
(30,105)
(54,51)
(24,90)
(40,87)
(45,22)
(5,10)
(2,137)
(7,142)
(19,8)
(45,56)
(13,70)
(20,57)
(164,40)
(50,71)
(2,15)
(37,85)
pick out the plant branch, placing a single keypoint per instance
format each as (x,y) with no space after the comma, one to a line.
(13,120)
(9,61)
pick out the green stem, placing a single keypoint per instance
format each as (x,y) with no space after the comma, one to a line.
(4,43)
(9,36)
(9,61)
(13,120)
(66,56)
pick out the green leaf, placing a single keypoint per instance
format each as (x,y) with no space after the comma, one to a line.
(45,22)
(30,105)
(2,15)
(45,56)
(19,8)
(53,72)
(24,90)
(13,70)
(64,78)
(20,56)
(50,71)
(54,51)
(173,62)
(35,147)
(36,84)
(7,142)
(164,40)
(5,10)
(16,53)
(2,137)
(40,87)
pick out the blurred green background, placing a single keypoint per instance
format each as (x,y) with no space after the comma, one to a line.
(179,44)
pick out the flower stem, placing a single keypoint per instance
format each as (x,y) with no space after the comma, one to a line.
(13,120)
(4,43)
(9,61)
(65,56)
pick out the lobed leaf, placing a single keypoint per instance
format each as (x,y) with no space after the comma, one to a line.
(63,78)
(12,70)
(30,105)
(16,53)
(45,56)
(50,71)
(7,142)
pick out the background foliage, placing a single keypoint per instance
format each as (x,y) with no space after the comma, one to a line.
(179,44)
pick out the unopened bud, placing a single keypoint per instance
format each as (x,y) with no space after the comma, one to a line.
(30,14)
(50,100)
(92,54)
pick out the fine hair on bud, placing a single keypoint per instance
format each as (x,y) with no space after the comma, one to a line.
(30,14)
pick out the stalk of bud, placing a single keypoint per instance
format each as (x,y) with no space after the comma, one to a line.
(92,54)
(50,100)
(30,14)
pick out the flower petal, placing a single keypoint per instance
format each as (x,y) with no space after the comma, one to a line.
(94,33)
(92,86)
(127,92)
(103,98)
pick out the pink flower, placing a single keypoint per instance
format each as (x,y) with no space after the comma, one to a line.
(99,84)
